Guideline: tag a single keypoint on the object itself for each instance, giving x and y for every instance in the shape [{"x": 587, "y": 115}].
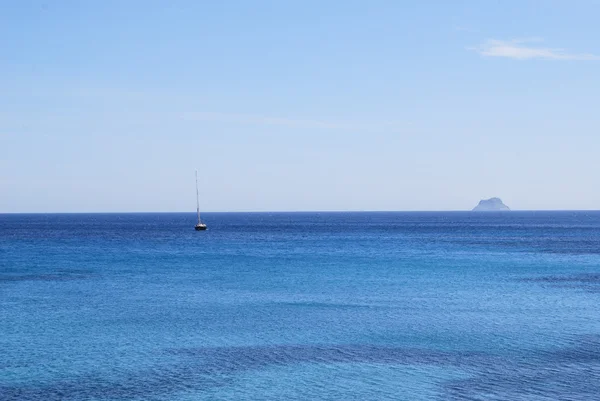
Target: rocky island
[{"x": 491, "y": 205}]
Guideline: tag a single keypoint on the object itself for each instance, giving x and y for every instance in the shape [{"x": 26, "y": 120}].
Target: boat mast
[{"x": 197, "y": 198}]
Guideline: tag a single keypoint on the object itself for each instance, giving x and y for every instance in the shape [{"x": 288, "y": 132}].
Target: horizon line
[{"x": 316, "y": 211}]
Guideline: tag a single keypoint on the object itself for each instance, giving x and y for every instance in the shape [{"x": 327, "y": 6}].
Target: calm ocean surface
[{"x": 300, "y": 306}]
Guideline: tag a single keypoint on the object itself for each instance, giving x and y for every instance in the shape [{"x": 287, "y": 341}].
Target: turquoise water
[{"x": 300, "y": 306}]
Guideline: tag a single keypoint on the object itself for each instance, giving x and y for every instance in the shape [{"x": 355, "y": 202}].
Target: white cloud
[{"x": 524, "y": 49}]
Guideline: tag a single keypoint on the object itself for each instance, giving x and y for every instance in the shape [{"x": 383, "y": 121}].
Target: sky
[{"x": 110, "y": 106}]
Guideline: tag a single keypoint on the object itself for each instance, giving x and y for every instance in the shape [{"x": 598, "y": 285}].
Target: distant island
[{"x": 491, "y": 205}]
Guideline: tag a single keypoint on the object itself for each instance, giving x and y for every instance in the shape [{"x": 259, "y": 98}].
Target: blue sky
[{"x": 298, "y": 105}]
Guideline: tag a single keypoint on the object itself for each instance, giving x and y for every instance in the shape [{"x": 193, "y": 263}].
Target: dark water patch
[
  {"x": 584, "y": 287},
  {"x": 529, "y": 383},
  {"x": 202, "y": 369},
  {"x": 242, "y": 358},
  {"x": 148, "y": 386},
  {"x": 160, "y": 382},
  {"x": 578, "y": 278},
  {"x": 585, "y": 281},
  {"x": 571, "y": 373},
  {"x": 43, "y": 277},
  {"x": 585, "y": 349},
  {"x": 335, "y": 305},
  {"x": 544, "y": 245},
  {"x": 544, "y": 380}
]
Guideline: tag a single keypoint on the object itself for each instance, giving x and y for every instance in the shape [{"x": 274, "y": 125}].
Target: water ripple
[{"x": 544, "y": 375}]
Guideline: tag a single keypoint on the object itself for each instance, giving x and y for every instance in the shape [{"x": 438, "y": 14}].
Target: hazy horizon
[{"x": 298, "y": 106}]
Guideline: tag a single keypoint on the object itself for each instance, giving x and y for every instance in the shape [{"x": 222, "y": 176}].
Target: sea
[{"x": 300, "y": 306}]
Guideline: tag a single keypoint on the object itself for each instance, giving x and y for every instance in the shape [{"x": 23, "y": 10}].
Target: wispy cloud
[{"x": 527, "y": 49}]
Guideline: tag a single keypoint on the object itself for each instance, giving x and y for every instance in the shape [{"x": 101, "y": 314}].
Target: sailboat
[{"x": 199, "y": 226}]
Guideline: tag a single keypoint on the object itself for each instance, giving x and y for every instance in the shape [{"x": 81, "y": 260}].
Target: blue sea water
[{"x": 300, "y": 306}]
